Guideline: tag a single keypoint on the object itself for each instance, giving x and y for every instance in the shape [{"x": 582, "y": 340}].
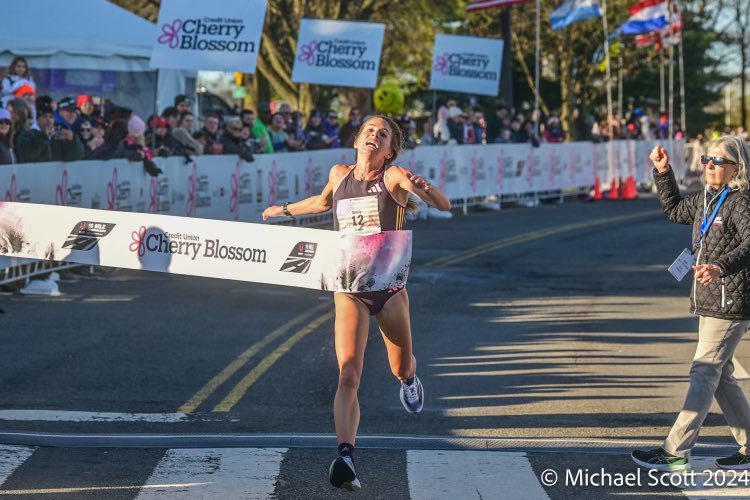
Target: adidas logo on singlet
[{"x": 375, "y": 188}]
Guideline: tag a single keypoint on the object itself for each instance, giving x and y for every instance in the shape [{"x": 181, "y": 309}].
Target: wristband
[{"x": 285, "y": 209}]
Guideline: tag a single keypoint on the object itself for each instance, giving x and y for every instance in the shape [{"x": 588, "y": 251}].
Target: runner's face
[{"x": 374, "y": 141}]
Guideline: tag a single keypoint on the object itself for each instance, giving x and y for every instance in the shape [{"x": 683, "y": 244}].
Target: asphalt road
[{"x": 553, "y": 336}]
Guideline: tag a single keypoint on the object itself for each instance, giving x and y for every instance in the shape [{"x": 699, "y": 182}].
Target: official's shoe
[
  {"x": 342, "y": 474},
  {"x": 738, "y": 461},
  {"x": 659, "y": 459},
  {"x": 412, "y": 396}
]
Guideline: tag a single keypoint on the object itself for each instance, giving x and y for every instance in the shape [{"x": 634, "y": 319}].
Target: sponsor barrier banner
[
  {"x": 466, "y": 64},
  {"x": 224, "y": 187},
  {"x": 341, "y": 53},
  {"x": 222, "y": 36},
  {"x": 290, "y": 256}
]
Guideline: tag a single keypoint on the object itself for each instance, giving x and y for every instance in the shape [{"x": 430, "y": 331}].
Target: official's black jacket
[{"x": 727, "y": 244}]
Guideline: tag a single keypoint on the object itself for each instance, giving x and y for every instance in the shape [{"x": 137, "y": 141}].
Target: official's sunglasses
[{"x": 718, "y": 161}]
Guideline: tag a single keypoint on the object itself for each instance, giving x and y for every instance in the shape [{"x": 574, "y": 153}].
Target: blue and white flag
[{"x": 572, "y": 11}]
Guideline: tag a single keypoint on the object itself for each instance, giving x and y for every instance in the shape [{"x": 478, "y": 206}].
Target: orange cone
[
  {"x": 631, "y": 193},
  {"x": 622, "y": 189},
  {"x": 597, "y": 189},
  {"x": 613, "y": 195}
]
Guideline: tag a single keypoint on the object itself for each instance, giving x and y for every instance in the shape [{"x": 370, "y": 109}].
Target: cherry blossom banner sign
[
  {"x": 338, "y": 53},
  {"x": 466, "y": 64},
  {"x": 221, "y": 36}
]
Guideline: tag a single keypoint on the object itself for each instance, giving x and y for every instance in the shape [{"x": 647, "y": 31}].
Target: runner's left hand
[{"x": 419, "y": 181}]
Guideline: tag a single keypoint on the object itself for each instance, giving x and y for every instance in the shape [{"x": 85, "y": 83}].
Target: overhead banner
[
  {"x": 466, "y": 64},
  {"x": 341, "y": 53},
  {"x": 264, "y": 253},
  {"x": 222, "y": 36}
]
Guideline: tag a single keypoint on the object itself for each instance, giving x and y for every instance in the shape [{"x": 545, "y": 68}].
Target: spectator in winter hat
[
  {"x": 161, "y": 129},
  {"x": 134, "y": 148},
  {"x": 182, "y": 103},
  {"x": 6, "y": 136},
  {"x": 27, "y": 92},
  {"x": 67, "y": 114},
  {"x": 17, "y": 76},
  {"x": 50, "y": 143},
  {"x": 85, "y": 106}
]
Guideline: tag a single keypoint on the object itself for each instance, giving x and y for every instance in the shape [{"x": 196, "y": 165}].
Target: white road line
[
  {"x": 721, "y": 484},
  {"x": 86, "y": 416},
  {"x": 471, "y": 474},
  {"x": 228, "y": 474},
  {"x": 11, "y": 458}
]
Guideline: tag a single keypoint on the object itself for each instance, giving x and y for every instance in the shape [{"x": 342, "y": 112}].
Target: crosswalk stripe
[
  {"x": 714, "y": 489},
  {"x": 225, "y": 473},
  {"x": 470, "y": 474},
  {"x": 11, "y": 458}
]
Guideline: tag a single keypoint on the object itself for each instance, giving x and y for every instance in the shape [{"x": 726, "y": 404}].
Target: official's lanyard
[{"x": 707, "y": 223}]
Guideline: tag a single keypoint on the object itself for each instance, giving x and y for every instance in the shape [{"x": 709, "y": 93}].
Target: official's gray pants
[{"x": 712, "y": 376}]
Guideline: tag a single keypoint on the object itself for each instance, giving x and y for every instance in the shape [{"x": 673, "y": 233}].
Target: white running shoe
[
  {"x": 342, "y": 474},
  {"x": 412, "y": 396}
]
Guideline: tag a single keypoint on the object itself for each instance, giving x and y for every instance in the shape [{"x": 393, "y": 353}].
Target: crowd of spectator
[{"x": 35, "y": 128}]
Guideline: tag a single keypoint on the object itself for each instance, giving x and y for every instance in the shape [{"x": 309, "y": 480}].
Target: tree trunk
[{"x": 567, "y": 91}]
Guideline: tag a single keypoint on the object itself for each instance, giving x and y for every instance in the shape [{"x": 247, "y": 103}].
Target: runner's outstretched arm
[{"x": 312, "y": 205}]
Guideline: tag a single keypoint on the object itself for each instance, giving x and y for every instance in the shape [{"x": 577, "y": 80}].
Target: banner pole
[
  {"x": 536, "y": 68},
  {"x": 156, "y": 110}
]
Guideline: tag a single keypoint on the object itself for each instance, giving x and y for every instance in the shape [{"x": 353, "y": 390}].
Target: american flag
[{"x": 490, "y": 4}]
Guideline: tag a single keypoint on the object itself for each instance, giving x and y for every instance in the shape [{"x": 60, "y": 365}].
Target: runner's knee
[{"x": 350, "y": 376}]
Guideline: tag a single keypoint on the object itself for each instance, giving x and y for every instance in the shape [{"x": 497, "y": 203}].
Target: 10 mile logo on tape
[
  {"x": 85, "y": 235},
  {"x": 300, "y": 259}
]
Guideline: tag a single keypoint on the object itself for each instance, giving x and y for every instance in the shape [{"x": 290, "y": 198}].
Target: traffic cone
[
  {"x": 597, "y": 189},
  {"x": 622, "y": 189},
  {"x": 631, "y": 193},
  {"x": 613, "y": 195}
]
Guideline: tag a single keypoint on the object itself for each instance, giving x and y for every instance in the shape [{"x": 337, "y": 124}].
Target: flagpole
[
  {"x": 671, "y": 76},
  {"x": 620, "y": 75},
  {"x": 662, "y": 105},
  {"x": 610, "y": 149},
  {"x": 536, "y": 68},
  {"x": 683, "y": 113}
]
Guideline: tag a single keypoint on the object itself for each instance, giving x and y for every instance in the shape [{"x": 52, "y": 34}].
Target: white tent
[{"x": 91, "y": 36}]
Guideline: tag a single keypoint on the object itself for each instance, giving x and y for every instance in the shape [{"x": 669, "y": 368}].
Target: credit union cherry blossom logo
[
  {"x": 138, "y": 244},
  {"x": 441, "y": 64},
  {"x": 307, "y": 53},
  {"x": 170, "y": 33}
]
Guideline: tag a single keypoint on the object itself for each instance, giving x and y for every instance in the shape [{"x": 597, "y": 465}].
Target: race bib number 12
[{"x": 358, "y": 216}]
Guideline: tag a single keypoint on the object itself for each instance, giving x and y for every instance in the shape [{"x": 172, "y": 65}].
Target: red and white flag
[{"x": 490, "y": 4}]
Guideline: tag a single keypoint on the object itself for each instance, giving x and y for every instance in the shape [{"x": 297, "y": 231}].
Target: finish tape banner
[{"x": 289, "y": 256}]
